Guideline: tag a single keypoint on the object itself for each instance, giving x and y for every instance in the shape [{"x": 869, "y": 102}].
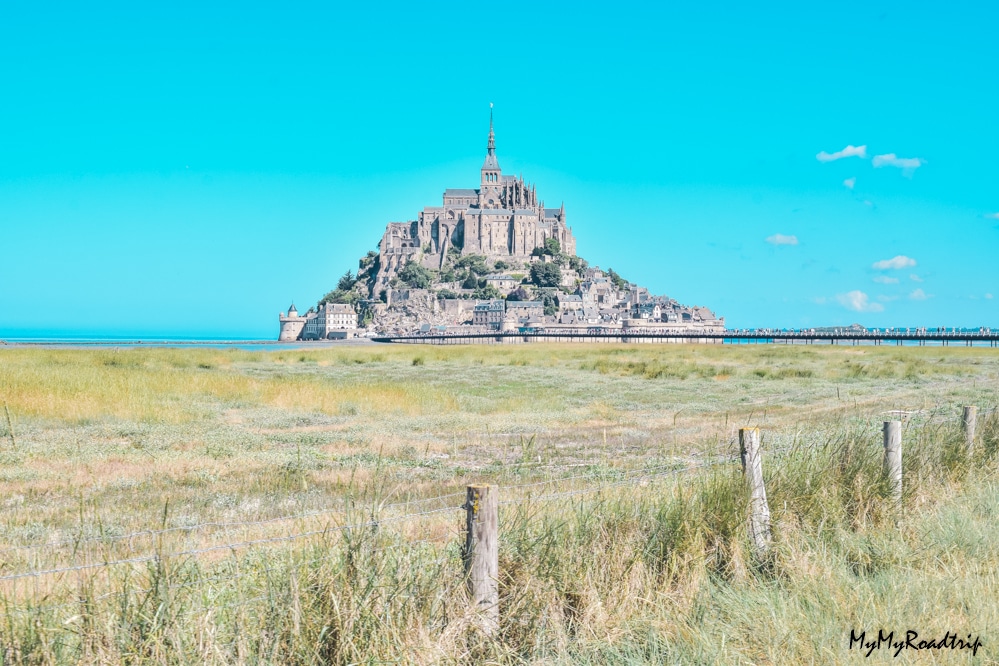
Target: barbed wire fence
[{"x": 130, "y": 550}]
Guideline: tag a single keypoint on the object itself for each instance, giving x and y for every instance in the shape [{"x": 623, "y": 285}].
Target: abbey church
[
  {"x": 502, "y": 219},
  {"x": 485, "y": 260}
]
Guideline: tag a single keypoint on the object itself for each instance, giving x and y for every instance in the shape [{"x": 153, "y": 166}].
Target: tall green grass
[{"x": 653, "y": 573}]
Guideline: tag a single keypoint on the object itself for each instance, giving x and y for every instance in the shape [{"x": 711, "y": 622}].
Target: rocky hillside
[{"x": 552, "y": 287}]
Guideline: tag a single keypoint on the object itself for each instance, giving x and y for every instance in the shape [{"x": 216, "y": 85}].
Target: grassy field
[{"x": 222, "y": 481}]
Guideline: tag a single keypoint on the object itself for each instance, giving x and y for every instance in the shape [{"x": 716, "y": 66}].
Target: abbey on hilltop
[
  {"x": 501, "y": 219},
  {"x": 492, "y": 258}
]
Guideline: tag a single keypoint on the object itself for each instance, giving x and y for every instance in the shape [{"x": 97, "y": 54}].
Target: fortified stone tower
[{"x": 291, "y": 325}]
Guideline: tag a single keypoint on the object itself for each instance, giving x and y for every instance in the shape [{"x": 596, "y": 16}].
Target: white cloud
[
  {"x": 908, "y": 165},
  {"x": 919, "y": 295},
  {"x": 988, "y": 296},
  {"x": 850, "y": 182},
  {"x": 993, "y": 216},
  {"x": 858, "y": 301},
  {"x": 887, "y": 299},
  {"x": 884, "y": 279},
  {"x": 781, "y": 239},
  {"x": 849, "y": 151},
  {"x": 821, "y": 300},
  {"x": 895, "y": 263},
  {"x": 915, "y": 278}
]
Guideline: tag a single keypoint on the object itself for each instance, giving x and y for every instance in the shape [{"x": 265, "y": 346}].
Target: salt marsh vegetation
[{"x": 624, "y": 541}]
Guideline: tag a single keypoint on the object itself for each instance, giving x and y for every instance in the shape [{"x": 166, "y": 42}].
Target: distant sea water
[{"x": 84, "y": 342}]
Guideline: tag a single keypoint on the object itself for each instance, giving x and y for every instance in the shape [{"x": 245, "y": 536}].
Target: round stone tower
[{"x": 291, "y": 325}]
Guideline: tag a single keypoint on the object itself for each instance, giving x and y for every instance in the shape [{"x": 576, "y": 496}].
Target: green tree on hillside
[
  {"x": 340, "y": 296},
  {"x": 416, "y": 276},
  {"x": 347, "y": 282},
  {"x": 546, "y": 275},
  {"x": 486, "y": 293},
  {"x": 618, "y": 281},
  {"x": 518, "y": 294},
  {"x": 548, "y": 300},
  {"x": 475, "y": 263}
]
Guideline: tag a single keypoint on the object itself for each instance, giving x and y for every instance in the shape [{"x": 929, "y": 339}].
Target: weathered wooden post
[
  {"x": 10, "y": 426},
  {"x": 482, "y": 552},
  {"x": 893, "y": 457},
  {"x": 752, "y": 470},
  {"x": 970, "y": 422}
]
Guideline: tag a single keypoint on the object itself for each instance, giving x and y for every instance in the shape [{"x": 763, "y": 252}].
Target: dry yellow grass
[{"x": 108, "y": 443}]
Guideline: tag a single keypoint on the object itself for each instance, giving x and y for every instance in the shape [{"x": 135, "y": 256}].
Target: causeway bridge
[{"x": 983, "y": 337}]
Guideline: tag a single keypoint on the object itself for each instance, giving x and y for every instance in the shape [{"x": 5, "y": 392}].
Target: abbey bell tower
[
  {"x": 503, "y": 217},
  {"x": 491, "y": 189}
]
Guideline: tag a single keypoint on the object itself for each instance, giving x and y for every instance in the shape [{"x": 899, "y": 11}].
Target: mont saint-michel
[{"x": 493, "y": 258}]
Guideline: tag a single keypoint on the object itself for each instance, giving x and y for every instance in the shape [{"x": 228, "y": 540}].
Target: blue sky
[{"x": 190, "y": 168}]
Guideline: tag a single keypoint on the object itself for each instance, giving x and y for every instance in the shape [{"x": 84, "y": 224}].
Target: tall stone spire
[
  {"x": 491, "y": 148},
  {"x": 491, "y": 164}
]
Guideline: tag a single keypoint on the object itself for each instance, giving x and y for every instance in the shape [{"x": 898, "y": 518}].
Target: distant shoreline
[{"x": 235, "y": 344}]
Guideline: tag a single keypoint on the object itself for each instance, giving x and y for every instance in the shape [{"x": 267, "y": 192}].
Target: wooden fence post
[
  {"x": 482, "y": 552},
  {"x": 752, "y": 470},
  {"x": 970, "y": 422},
  {"x": 10, "y": 426},
  {"x": 893, "y": 457}
]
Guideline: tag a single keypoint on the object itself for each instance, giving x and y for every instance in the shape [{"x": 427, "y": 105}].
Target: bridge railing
[{"x": 730, "y": 335}]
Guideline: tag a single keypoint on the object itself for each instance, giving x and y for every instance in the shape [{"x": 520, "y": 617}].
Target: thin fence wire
[
  {"x": 106, "y": 539},
  {"x": 631, "y": 476},
  {"x": 677, "y": 465},
  {"x": 627, "y": 477},
  {"x": 229, "y": 577},
  {"x": 227, "y": 546},
  {"x": 345, "y": 505},
  {"x": 234, "y": 578},
  {"x": 593, "y": 489}
]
